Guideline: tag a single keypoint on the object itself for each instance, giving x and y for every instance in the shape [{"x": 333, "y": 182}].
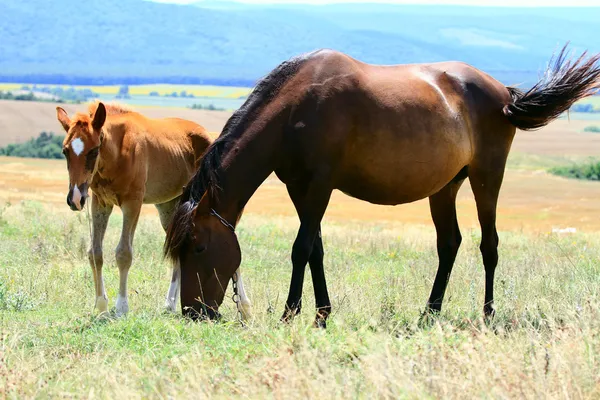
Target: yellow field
[{"x": 145, "y": 90}]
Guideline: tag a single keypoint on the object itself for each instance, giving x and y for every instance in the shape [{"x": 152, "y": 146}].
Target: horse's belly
[{"x": 402, "y": 174}]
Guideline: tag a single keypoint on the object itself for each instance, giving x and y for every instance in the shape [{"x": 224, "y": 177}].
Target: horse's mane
[
  {"x": 111, "y": 108},
  {"x": 206, "y": 179}
]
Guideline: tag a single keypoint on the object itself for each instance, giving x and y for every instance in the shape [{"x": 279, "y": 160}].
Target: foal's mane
[{"x": 206, "y": 179}]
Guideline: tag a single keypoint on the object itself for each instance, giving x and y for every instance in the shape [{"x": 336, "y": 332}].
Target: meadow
[
  {"x": 544, "y": 341},
  {"x": 380, "y": 264}
]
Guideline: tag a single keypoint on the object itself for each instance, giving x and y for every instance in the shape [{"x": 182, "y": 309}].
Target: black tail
[{"x": 565, "y": 81}]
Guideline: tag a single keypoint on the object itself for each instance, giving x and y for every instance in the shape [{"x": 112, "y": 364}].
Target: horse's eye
[{"x": 199, "y": 249}]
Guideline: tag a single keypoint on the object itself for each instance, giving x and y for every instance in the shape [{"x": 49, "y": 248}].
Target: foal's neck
[{"x": 110, "y": 150}]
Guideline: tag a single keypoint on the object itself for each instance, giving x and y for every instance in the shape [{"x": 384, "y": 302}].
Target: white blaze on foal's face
[{"x": 77, "y": 146}]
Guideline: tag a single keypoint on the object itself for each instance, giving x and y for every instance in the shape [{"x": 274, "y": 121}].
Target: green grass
[
  {"x": 543, "y": 343},
  {"x": 589, "y": 171}
]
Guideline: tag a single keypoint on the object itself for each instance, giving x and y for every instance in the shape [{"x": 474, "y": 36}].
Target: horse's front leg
[
  {"x": 124, "y": 253},
  {"x": 100, "y": 215},
  {"x": 311, "y": 201}
]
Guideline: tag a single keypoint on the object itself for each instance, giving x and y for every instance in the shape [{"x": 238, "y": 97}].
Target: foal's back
[{"x": 155, "y": 156}]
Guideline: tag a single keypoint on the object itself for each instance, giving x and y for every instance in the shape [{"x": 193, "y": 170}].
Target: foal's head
[{"x": 81, "y": 148}]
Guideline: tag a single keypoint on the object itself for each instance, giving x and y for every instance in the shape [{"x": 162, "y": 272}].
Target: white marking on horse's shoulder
[{"x": 77, "y": 146}]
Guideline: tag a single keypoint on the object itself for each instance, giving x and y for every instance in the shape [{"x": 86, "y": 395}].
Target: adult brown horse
[
  {"x": 128, "y": 160},
  {"x": 384, "y": 134}
]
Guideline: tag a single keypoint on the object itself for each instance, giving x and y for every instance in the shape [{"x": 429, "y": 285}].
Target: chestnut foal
[{"x": 129, "y": 160}]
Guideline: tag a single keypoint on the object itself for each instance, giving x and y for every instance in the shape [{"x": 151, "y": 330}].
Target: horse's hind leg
[
  {"x": 100, "y": 215},
  {"x": 124, "y": 252},
  {"x": 443, "y": 213},
  {"x": 486, "y": 187}
]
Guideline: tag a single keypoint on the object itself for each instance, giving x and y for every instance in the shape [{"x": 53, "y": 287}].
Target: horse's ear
[
  {"x": 99, "y": 117},
  {"x": 63, "y": 118},
  {"x": 203, "y": 206}
]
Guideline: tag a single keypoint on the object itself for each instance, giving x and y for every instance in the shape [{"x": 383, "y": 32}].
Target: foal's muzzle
[{"x": 77, "y": 197}]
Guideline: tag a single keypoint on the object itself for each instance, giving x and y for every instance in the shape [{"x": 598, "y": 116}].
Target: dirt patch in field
[{"x": 529, "y": 201}]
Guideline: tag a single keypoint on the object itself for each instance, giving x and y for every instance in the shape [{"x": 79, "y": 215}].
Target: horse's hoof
[
  {"x": 320, "y": 322},
  {"x": 489, "y": 311}
]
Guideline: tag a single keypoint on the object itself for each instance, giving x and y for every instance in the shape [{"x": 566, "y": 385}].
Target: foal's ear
[
  {"x": 99, "y": 117},
  {"x": 63, "y": 118}
]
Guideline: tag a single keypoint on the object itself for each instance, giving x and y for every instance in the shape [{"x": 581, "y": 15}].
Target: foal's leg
[
  {"x": 486, "y": 187},
  {"x": 310, "y": 203},
  {"x": 165, "y": 212},
  {"x": 100, "y": 216},
  {"x": 124, "y": 251},
  {"x": 443, "y": 212}
]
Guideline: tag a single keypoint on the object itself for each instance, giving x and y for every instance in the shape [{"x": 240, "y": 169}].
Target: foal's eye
[
  {"x": 199, "y": 249},
  {"x": 90, "y": 160}
]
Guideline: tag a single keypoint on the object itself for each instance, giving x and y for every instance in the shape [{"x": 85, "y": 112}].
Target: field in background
[
  {"x": 228, "y": 92},
  {"x": 158, "y": 95}
]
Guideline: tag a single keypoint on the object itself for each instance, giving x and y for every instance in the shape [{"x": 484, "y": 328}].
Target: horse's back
[{"x": 401, "y": 131}]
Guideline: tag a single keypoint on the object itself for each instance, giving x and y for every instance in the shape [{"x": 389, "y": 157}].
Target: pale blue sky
[{"x": 511, "y": 3}]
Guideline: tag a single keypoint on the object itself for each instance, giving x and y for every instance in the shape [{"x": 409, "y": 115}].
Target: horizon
[{"x": 472, "y": 3}]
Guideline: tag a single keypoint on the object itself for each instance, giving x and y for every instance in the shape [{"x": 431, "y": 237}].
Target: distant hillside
[{"x": 135, "y": 41}]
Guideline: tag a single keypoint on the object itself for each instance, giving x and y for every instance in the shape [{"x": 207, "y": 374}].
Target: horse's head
[
  {"x": 209, "y": 255},
  {"x": 81, "y": 148}
]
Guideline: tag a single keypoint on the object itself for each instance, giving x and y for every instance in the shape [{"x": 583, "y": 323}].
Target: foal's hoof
[
  {"x": 171, "y": 305},
  {"x": 101, "y": 304},
  {"x": 121, "y": 306}
]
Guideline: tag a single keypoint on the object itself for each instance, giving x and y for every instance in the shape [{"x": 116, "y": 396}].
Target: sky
[{"x": 507, "y": 3}]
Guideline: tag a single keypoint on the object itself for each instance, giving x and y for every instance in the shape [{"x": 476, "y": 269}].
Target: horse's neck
[{"x": 248, "y": 162}]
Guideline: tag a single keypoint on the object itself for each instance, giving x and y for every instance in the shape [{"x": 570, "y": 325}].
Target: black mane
[{"x": 206, "y": 179}]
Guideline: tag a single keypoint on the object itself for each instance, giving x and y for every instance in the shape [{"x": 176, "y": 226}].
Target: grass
[
  {"x": 587, "y": 171},
  {"x": 544, "y": 341}
]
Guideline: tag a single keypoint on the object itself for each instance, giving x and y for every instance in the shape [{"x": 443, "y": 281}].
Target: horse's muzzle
[{"x": 205, "y": 313}]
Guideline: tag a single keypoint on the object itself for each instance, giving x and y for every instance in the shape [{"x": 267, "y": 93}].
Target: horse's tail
[{"x": 565, "y": 81}]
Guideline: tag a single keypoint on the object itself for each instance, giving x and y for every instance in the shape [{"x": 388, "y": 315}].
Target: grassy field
[
  {"x": 380, "y": 265},
  {"x": 544, "y": 342}
]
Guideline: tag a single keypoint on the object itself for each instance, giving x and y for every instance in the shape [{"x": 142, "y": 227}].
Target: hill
[{"x": 135, "y": 41}]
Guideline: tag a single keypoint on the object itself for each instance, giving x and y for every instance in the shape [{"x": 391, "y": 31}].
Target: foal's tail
[{"x": 565, "y": 81}]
